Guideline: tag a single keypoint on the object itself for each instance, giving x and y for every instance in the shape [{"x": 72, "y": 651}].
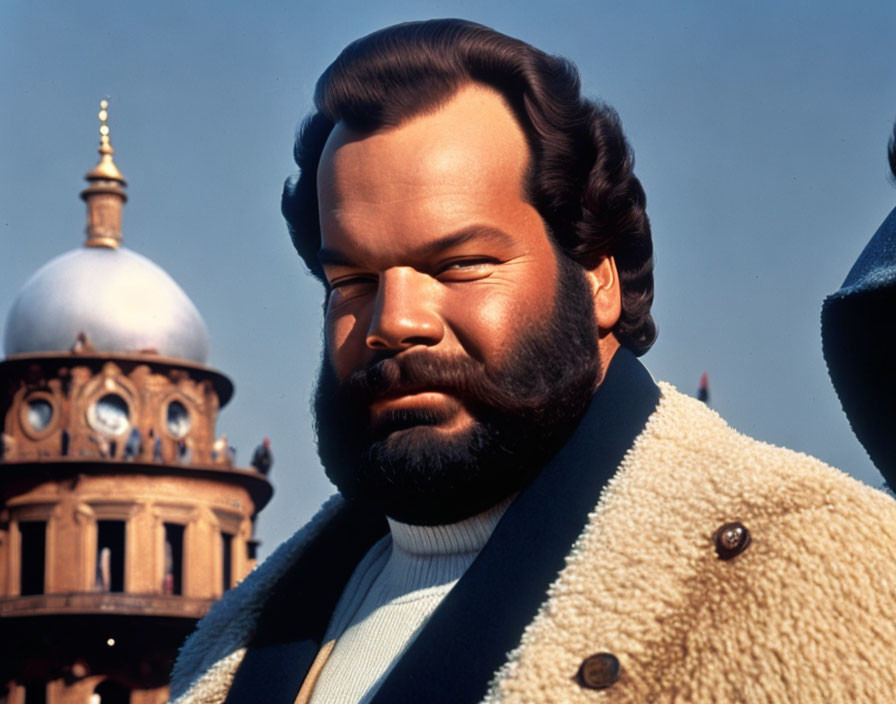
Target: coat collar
[{"x": 483, "y": 617}]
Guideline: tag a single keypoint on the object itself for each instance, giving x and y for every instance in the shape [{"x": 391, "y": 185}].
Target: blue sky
[{"x": 759, "y": 130}]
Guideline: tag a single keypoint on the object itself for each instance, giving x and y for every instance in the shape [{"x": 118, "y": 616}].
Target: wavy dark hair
[{"x": 580, "y": 176}]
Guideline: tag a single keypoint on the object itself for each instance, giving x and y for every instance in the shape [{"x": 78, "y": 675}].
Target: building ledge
[
  {"x": 15, "y": 364},
  {"x": 122, "y": 604},
  {"x": 55, "y": 468}
]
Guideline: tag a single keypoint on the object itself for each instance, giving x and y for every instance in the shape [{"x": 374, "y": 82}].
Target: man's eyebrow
[
  {"x": 481, "y": 233},
  {"x": 331, "y": 256},
  {"x": 477, "y": 233}
]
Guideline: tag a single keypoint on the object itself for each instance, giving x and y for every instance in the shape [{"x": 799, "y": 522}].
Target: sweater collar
[{"x": 466, "y": 536}]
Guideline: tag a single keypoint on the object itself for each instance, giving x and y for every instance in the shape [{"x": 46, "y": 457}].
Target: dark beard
[{"x": 522, "y": 413}]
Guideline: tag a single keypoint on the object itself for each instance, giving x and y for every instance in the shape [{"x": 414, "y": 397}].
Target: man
[
  {"x": 525, "y": 516},
  {"x": 859, "y": 342}
]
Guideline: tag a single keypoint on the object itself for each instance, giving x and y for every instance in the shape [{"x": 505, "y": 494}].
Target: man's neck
[{"x": 607, "y": 346}]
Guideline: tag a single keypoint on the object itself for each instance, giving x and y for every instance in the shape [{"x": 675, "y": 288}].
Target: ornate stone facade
[{"x": 89, "y": 406}]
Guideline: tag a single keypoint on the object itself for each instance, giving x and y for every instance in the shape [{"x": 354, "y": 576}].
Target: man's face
[{"x": 442, "y": 333}]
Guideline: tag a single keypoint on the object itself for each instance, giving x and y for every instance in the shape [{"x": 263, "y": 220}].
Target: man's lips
[{"x": 410, "y": 400}]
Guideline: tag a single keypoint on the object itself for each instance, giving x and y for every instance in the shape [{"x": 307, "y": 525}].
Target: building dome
[
  {"x": 104, "y": 296},
  {"x": 119, "y": 299}
]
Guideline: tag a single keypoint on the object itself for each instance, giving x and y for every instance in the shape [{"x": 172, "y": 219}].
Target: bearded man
[{"x": 524, "y": 515}]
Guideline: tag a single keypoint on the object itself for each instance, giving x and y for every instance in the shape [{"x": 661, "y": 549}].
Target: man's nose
[{"x": 405, "y": 312}]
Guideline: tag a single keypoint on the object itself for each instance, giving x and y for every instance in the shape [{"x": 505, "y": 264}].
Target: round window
[
  {"x": 110, "y": 415},
  {"x": 39, "y": 413},
  {"x": 178, "y": 419}
]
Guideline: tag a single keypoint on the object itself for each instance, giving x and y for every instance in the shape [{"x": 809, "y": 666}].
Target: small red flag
[{"x": 703, "y": 391}]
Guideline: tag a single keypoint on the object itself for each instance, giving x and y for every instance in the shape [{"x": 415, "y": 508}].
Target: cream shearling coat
[{"x": 807, "y": 613}]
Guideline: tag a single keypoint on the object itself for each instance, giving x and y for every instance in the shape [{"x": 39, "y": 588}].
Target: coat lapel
[
  {"x": 482, "y": 619},
  {"x": 296, "y": 614}
]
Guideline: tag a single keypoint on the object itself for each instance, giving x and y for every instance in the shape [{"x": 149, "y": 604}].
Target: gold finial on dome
[{"x": 105, "y": 195}]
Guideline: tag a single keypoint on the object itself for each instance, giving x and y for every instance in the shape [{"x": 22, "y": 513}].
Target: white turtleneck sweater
[{"x": 390, "y": 596}]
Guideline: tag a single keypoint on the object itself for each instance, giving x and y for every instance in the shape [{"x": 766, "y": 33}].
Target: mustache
[{"x": 464, "y": 377}]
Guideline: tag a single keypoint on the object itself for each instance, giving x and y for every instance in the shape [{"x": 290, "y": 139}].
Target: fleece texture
[
  {"x": 807, "y": 613},
  {"x": 859, "y": 342}
]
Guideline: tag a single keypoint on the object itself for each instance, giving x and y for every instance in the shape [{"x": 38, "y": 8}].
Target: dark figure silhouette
[
  {"x": 262, "y": 459},
  {"x": 133, "y": 445}
]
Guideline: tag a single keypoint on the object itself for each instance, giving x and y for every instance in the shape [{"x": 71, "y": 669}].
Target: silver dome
[{"x": 118, "y": 298}]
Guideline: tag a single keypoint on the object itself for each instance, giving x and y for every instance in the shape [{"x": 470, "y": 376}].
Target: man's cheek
[
  {"x": 491, "y": 325},
  {"x": 346, "y": 344}
]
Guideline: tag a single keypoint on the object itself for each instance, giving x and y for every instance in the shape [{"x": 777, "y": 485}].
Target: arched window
[
  {"x": 172, "y": 581},
  {"x": 109, "y": 415},
  {"x": 32, "y": 557},
  {"x": 110, "y": 538},
  {"x": 177, "y": 419}
]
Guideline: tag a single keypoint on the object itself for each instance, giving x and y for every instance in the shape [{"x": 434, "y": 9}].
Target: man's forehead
[{"x": 473, "y": 132}]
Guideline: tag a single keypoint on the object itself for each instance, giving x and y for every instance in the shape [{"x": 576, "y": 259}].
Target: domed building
[{"x": 122, "y": 516}]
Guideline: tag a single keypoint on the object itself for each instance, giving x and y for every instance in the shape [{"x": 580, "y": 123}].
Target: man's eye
[
  {"x": 466, "y": 268},
  {"x": 345, "y": 284}
]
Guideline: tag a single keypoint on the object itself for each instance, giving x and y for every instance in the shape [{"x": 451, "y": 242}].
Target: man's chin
[
  {"x": 423, "y": 474},
  {"x": 421, "y": 439}
]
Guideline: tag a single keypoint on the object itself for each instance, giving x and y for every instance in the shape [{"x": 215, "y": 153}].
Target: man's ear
[{"x": 604, "y": 280}]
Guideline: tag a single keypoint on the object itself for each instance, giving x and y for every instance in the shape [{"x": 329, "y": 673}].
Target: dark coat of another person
[{"x": 859, "y": 341}]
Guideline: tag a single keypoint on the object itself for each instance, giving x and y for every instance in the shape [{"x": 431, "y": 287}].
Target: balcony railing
[{"x": 104, "y": 603}]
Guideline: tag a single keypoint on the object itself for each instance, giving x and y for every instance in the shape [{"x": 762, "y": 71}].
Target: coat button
[
  {"x": 731, "y": 540},
  {"x": 599, "y": 671}
]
